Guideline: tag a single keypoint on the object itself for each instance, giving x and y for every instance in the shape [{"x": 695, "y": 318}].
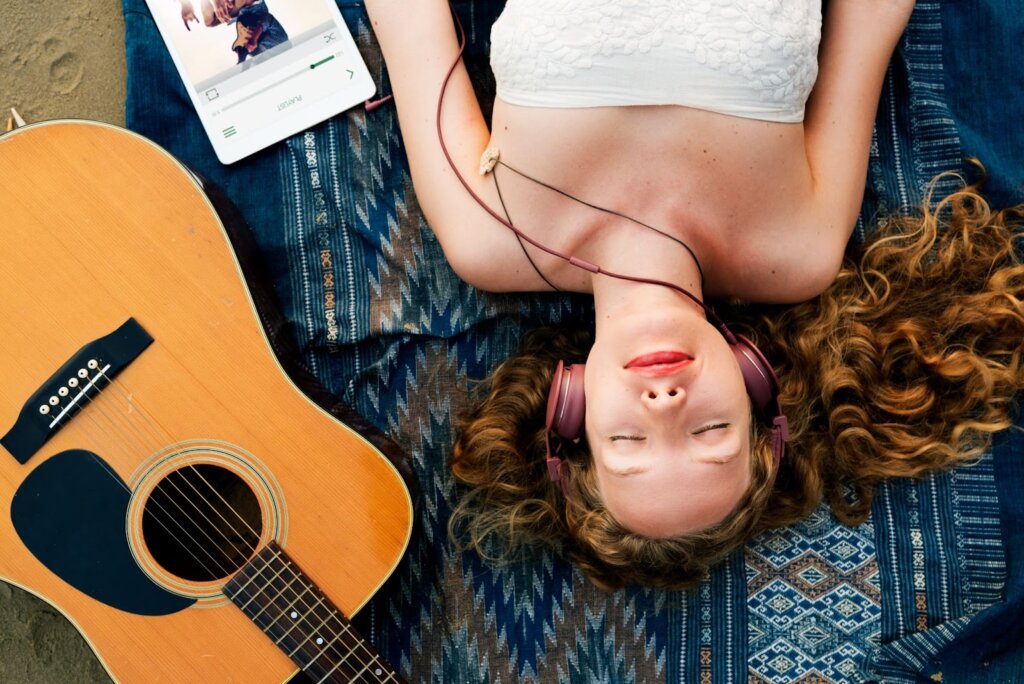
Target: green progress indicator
[{"x": 322, "y": 61}]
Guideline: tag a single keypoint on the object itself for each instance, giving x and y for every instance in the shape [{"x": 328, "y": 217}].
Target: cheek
[
  {"x": 725, "y": 380},
  {"x": 606, "y": 403}
]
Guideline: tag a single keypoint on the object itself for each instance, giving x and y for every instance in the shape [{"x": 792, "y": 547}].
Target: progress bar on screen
[{"x": 286, "y": 78}]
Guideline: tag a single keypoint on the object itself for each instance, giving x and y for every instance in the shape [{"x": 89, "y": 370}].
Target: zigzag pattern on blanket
[{"x": 504, "y": 627}]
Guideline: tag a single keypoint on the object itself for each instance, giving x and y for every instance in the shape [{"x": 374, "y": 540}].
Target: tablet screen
[{"x": 260, "y": 70}]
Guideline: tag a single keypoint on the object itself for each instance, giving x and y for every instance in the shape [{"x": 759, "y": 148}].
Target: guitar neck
[{"x": 285, "y": 604}]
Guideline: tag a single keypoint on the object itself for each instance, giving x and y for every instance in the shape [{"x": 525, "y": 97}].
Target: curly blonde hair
[{"x": 906, "y": 365}]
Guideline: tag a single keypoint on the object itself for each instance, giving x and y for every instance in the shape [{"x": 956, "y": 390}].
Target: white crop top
[{"x": 751, "y": 58}]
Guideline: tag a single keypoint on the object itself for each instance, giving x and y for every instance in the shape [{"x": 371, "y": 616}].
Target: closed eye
[
  {"x": 708, "y": 428},
  {"x": 631, "y": 438}
]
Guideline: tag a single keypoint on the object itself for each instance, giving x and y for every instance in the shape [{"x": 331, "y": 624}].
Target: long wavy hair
[{"x": 906, "y": 365}]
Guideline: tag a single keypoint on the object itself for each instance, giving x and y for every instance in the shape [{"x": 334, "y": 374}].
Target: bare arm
[
  {"x": 419, "y": 43},
  {"x": 188, "y": 13},
  {"x": 858, "y": 39},
  {"x": 210, "y": 17}
]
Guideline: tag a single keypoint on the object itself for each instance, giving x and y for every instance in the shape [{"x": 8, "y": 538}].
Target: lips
[{"x": 660, "y": 362}]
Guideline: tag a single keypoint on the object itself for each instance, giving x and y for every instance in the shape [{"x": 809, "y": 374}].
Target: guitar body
[{"x": 99, "y": 227}]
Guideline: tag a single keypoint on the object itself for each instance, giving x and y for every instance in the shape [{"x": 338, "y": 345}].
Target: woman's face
[{"x": 668, "y": 423}]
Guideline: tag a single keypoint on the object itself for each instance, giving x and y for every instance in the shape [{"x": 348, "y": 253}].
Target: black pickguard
[{"x": 70, "y": 513}]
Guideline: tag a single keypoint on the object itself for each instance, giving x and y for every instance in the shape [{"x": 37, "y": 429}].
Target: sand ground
[{"x": 57, "y": 60}]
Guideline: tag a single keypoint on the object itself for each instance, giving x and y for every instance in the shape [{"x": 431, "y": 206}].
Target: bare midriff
[{"x": 712, "y": 180}]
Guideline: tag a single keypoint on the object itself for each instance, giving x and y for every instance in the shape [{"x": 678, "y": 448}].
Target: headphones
[{"x": 567, "y": 403}]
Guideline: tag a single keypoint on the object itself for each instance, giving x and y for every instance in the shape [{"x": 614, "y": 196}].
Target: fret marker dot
[
  {"x": 378, "y": 672},
  {"x": 293, "y": 615},
  {"x": 319, "y": 641}
]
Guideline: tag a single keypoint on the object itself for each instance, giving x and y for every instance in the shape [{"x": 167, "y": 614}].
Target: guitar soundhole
[{"x": 202, "y": 523}]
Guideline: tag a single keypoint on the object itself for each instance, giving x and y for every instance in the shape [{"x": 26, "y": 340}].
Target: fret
[
  {"x": 250, "y": 579},
  {"x": 375, "y": 670},
  {"x": 291, "y": 610},
  {"x": 286, "y": 588},
  {"x": 277, "y": 642},
  {"x": 265, "y": 598}
]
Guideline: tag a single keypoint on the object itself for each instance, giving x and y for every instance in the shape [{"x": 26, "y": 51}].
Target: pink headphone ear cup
[
  {"x": 761, "y": 381},
  {"x": 763, "y": 390},
  {"x": 566, "y": 401}
]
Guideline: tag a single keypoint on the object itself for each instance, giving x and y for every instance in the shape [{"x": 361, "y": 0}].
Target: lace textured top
[{"x": 751, "y": 58}]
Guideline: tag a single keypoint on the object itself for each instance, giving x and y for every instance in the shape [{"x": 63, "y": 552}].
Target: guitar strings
[
  {"x": 158, "y": 441},
  {"x": 173, "y": 500},
  {"x": 153, "y": 425},
  {"x": 329, "y": 631},
  {"x": 99, "y": 443},
  {"x": 125, "y": 444},
  {"x": 156, "y": 428}
]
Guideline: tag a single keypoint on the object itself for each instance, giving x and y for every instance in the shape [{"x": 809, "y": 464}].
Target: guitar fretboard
[{"x": 274, "y": 593}]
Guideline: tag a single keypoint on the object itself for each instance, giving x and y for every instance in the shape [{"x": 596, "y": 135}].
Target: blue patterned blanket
[{"x": 929, "y": 588}]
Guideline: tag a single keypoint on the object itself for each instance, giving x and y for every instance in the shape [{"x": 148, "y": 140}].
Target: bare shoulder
[{"x": 783, "y": 266}]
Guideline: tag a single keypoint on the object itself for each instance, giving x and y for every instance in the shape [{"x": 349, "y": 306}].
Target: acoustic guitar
[{"x": 163, "y": 482}]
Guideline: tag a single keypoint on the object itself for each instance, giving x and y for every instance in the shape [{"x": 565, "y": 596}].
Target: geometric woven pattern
[{"x": 814, "y": 601}]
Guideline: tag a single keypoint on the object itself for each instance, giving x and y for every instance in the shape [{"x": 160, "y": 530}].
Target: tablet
[{"x": 258, "y": 71}]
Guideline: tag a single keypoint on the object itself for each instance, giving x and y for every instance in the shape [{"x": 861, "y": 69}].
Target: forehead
[{"x": 675, "y": 495}]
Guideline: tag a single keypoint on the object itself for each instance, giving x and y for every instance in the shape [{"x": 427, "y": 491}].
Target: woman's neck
[{"x": 615, "y": 298}]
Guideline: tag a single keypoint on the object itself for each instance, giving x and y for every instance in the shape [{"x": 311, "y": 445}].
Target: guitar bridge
[{"x": 64, "y": 394}]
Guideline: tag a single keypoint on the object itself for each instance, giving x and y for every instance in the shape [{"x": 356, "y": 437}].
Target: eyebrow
[
  {"x": 720, "y": 460},
  {"x": 637, "y": 470},
  {"x": 626, "y": 472}
]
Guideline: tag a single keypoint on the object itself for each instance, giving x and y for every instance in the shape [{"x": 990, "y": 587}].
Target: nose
[{"x": 666, "y": 396}]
